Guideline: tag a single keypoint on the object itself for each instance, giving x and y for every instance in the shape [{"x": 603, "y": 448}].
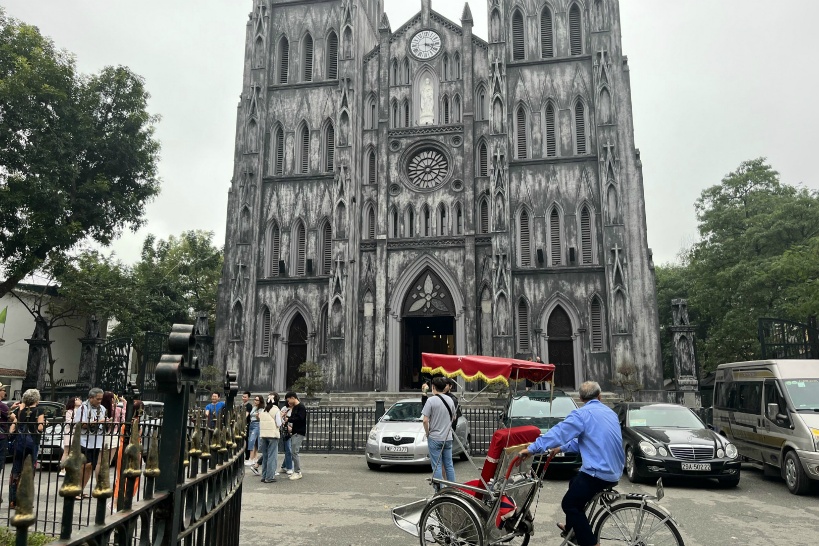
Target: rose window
[{"x": 427, "y": 169}]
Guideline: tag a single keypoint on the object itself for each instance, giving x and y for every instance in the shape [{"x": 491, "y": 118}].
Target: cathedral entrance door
[
  {"x": 424, "y": 335},
  {"x": 561, "y": 347},
  {"x": 296, "y": 348}
]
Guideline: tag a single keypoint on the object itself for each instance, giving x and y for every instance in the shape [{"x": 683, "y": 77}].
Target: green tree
[{"x": 78, "y": 153}]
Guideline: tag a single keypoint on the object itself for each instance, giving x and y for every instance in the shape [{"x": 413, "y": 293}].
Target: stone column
[
  {"x": 37, "y": 365},
  {"x": 685, "y": 368},
  {"x": 89, "y": 353}
]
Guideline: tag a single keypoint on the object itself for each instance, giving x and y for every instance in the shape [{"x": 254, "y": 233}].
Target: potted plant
[
  {"x": 310, "y": 382},
  {"x": 497, "y": 393}
]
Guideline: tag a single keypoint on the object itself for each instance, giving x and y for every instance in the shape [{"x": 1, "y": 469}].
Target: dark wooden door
[
  {"x": 561, "y": 347},
  {"x": 296, "y": 348}
]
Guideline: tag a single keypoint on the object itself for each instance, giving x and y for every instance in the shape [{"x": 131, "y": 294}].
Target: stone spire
[
  {"x": 467, "y": 15},
  {"x": 385, "y": 22}
]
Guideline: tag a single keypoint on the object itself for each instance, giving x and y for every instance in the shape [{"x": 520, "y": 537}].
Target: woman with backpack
[{"x": 270, "y": 422}]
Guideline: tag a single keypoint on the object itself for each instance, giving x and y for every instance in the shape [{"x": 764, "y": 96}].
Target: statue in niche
[
  {"x": 686, "y": 356},
  {"x": 497, "y": 117},
  {"x": 427, "y": 113},
  {"x": 611, "y": 205},
  {"x": 500, "y": 213},
  {"x": 503, "y": 316}
]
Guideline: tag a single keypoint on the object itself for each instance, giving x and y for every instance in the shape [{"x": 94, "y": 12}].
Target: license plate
[
  {"x": 397, "y": 449},
  {"x": 561, "y": 454},
  {"x": 45, "y": 450},
  {"x": 696, "y": 466}
]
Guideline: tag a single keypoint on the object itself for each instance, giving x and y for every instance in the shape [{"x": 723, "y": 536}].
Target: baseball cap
[{"x": 3, "y": 387}]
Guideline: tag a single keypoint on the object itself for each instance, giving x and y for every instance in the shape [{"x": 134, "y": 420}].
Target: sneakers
[
  {"x": 290, "y": 472},
  {"x": 249, "y": 462},
  {"x": 295, "y": 476},
  {"x": 255, "y": 470},
  {"x": 61, "y": 474},
  {"x": 269, "y": 481}
]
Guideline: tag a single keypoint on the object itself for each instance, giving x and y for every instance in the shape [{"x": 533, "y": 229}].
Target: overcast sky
[{"x": 714, "y": 82}]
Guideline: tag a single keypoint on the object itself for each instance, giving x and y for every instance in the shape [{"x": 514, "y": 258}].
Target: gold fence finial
[
  {"x": 152, "y": 466},
  {"x": 72, "y": 485},
  {"x": 133, "y": 454},
  {"x": 103, "y": 488},
  {"x": 24, "y": 515}
]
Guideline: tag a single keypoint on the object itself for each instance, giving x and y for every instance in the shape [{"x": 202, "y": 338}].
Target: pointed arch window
[
  {"x": 307, "y": 58},
  {"x": 393, "y": 223},
  {"x": 456, "y": 109},
  {"x": 326, "y": 261},
  {"x": 445, "y": 110},
  {"x": 284, "y": 59},
  {"x": 329, "y": 147},
  {"x": 273, "y": 251},
  {"x": 406, "y": 71},
  {"x": 523, "y": 327},
  {"x": 244, "y": 225},
  {"x": 427, "y": 220},
  {"x": 264, "y": 335},
  {"x": 442, "y": 218},
  {"x": 524, "y": 240},
  {"x": 370, "y": 115},
  {"x": 547, "y": 49},
  {"x": 596, "y": 325},
  {"x": 324, "y": 333},
  {"x": 518, "y": 37},
  {"x": 521, "y": 133},
  {"x": 258, "y": 53},
  {"x": 369, "y": 228},
  {"x": 394, "y": 121},
  {"x": 348, "y": 43},
  {"x": 278, "y": 154},
  {"x": 481, "y": 104},
  {"x": 575, "y": 31},
  {"x": 237, "y": 321},
  {"x": 304, "y": 149},
  {"x": 406, "y": 109},
  {"x": 457, "y": 67},
  {"x": 409, "y": 221},
  {"x": 300, "y": 240},
  {"x": 586, "y": 253},
  {"x": 446, "y": 67},
  {"x": 459, "y": 219},
  {"x": 555, "y": 244},
  {"x": 341, "y": 219},
  {"x": 372, "y": 173},
  {"x": 551, "y": 134},
  {"x": 394, "y": 72},
  {"x": 580, "y": 127},
  {"x": 483, "y": 160},
  {"x": 332, "y": 56},
  {"x": 483, "y": 216}
]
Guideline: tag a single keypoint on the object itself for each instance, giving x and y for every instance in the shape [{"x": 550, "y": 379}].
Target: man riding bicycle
[{"x": 594, "y": 430}]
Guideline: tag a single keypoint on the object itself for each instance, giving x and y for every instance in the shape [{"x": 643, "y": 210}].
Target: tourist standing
[
  {"x": 297, "y": 426},
  {"x": 253, "y": 431},
  {"x": 28, "y": 425},
  {"x": 270, "y": 423},
  {"x": 71, "y": 405},
  {"x": 287, "y": 463},
  {"x": 212, "y": 410},
  {"x": 438, "y": 414},
  {"x": 92, "y": 419}
]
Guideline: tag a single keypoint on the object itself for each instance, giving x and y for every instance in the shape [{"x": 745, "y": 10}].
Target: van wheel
[{"x": 795, "y": 477}]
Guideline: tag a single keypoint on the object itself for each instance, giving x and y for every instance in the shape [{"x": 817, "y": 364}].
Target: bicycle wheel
[
  {"x": 450, "y": 520},
  {"x": 631, "y": 523}
]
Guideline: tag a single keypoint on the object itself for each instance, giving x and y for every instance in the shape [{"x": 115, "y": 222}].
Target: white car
[{"x": 398, "y": 437}]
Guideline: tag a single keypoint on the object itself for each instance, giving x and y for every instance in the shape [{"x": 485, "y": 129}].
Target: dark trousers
[{"x": 582, "y": 489}]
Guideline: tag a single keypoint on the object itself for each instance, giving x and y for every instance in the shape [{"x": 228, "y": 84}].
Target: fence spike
[
  {"x": 24, "y": 515},
  {"x": 72, "y": 485},
  {"x": 133, "y": 468},
  {"x": 152, "y": 466},
  {"x": 196, "y": 437},
  {"x": 103, "y": 489}
]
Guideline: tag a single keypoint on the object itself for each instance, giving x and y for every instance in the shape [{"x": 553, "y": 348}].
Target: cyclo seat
[{"x": 501, "y": 439}]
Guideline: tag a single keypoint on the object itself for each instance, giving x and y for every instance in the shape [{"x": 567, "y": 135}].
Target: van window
[
  {"x": 750, "y": 396},
  {"x": 725, "y": 396},
  {"x": 773, "y": 395},
  {"x": 804, "y": 393}
]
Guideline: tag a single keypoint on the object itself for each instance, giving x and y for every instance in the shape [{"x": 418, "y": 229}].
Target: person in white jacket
[{"x": 270, "y": 422}]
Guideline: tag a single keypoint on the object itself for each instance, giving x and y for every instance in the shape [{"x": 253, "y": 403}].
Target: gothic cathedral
[{"x": 425, "y": 190}]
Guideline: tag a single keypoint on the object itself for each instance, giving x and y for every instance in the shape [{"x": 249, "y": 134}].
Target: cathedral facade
[{"x": 425, "y": 190}]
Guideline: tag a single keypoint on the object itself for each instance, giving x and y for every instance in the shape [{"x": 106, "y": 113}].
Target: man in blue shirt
[
  {"x": 594, "y": 431},
  {"x": 212, "y": 410}
]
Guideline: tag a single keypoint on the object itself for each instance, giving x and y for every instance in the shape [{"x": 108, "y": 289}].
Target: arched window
[
  {"x": 394, "y": 72},
  {"x": 406, "y": 109},
  {"x": 264, "y": 334},
  {"x": 497, "y": 116},
  {"x": 304, "y": 149},
  {"x": 244, "y": 225},
  {"x": 524, "y": 240},
  {"x": 371, "y": 114},
  {"x": 596, "y": 324},
  {"x": 393, "y": 223},
  {"x": 575, "y": 31},
  {"x": 427, "y": 220},
  {"x": 445, "y": 110},
  {"x": 329, "y": 147},
  {"x": 457, "y": 67},
  {"x": 459, "y": 219},
  {"x": 237, "y": 321},
  {"x": 406, "y": 71},
  {"x": 326, "y": 253},
  {"x": 284, "y": 59},
  {"x": 300, "y": 249},
  {"x": 555, "y": 243},
  {"x": 258, "y": 53},
  {"x": 550, "y": 129},
  {"x": 481, "y": 104},
  {"x": 483, "y": 216},
  {"x": 307, "y": 58},
  {"x": 324, "y": 333},
  {"x": 456, "y": 109},
  {"x": 409, "y": 221},
  {"x": 341, "y": 220},
  {"x": 348, "y": 43},
  {"x": 273, "y": 251},
  {"x": 523, "y": 326},
  {"x": 445, "y": 71},
  {"x": 518, "y": 37},
  {"x": 332, "y": 56},
  {"x": 482, "y": 167},
  {"x": 580, "y": 127},
  {"x": 369, "y": 226},
  {"x": 442, "y": 226},
  {"x": 394, "y": 120},
  {"x": 372, "y": 172},
  {"x": 278, "y": 154},
  {"x": 521, "y": 133},
  {"x": 547, "y": 49},
  {"x": 586, "y": 250}
]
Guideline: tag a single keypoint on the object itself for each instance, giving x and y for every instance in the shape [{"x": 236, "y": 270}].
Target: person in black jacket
[{"x": 297, "y": 426}]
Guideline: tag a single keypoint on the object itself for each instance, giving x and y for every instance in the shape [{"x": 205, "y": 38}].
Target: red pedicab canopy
[{"x": 489, "y": 368}]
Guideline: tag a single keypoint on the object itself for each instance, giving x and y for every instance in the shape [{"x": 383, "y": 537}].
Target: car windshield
[
  {"x": 663, "y": 417},
  {"x": 404, "y": 411},
  {"x": 541, "y": 407},
  {"x": 804, "y": 393},
  {"x": 152, "y": 410}
]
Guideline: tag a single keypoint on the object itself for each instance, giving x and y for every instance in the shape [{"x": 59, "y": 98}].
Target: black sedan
[{"x": 669, "y": 440}]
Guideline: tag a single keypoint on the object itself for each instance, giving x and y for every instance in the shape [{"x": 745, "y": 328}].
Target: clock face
[{"x": 426, "y": 44}]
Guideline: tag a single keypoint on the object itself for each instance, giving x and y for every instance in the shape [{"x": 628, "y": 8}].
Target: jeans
[
  {"x": 295, "y": 447},
  {"x": 270, "y": 454},
  {"x": 253, "y": 435},
  {"x": 581, "y": 490},
  {"x": 441, "y": 449},
  {"x": 287, "y": 464},
  {"x": 24, "y": 445}
]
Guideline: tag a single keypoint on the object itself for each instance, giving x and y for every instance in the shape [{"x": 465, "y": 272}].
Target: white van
[{"x": 769, "y": 409}]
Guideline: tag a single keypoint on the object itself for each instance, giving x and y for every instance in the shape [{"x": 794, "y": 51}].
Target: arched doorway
[
  {"x": 428, "y": 318},
  {"x": 296, "y": 348},
  {"x": 561, "y": 347}
]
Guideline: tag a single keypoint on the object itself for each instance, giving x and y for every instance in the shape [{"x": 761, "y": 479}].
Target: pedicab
[{"x": 498, "y": 507}]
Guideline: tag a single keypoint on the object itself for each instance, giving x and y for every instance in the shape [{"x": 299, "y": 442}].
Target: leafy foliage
[
  {"x": 311, "y": 380},
  {"x": 758, "y": 256},
  {"x": 78, "y": 153}
]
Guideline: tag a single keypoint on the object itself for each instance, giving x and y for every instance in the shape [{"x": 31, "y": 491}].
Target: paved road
[{"x": 342, "y": 503}]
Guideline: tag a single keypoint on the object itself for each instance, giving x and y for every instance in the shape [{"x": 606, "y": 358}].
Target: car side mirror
[{"x": 773, "y": 410}]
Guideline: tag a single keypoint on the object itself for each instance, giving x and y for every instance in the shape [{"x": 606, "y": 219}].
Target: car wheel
[
  {"x": 631, "y": 467},
  {"x": 733, "y": 481},
  {"x": 467, "y": 448},
  {"x": 373, "y": 466},
  {"x": 795, "y": 476}
]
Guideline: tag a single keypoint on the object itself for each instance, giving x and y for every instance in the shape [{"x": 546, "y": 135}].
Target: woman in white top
[{"x": 270, "y": 422}]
